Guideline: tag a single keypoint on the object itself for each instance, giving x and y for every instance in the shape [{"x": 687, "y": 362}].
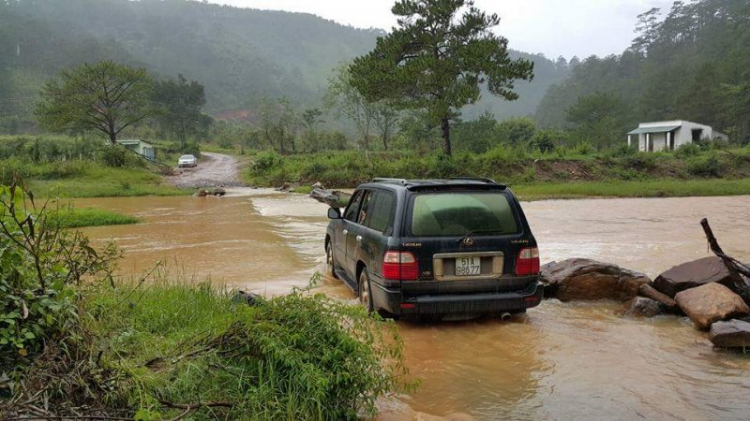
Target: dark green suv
[{"x": 435, "y": 248}]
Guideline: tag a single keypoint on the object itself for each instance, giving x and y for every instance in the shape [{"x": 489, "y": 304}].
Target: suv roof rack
[
  {"x": 478, "y": 179},
  {"x": 401, "y": 181}
]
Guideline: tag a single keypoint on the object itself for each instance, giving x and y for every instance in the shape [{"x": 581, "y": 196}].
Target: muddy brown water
[{"x": 560, "y": 361}]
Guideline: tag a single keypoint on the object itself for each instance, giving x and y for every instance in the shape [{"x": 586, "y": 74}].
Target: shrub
[
  {"x": 38, "y": 262},
  {"x": 687, "y": 150},
  {"x": 115, "y": 156},
  {"x": 583, "y": 148},
  {"x": 704, "y": 166},
  {"x": 265, "y": 161}
]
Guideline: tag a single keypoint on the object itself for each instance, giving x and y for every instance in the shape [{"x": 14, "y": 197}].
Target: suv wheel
[
  {"x": 329, "y": 260},
  {"x": 364, "y": 290}
]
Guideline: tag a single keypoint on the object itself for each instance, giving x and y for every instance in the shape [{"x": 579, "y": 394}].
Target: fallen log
[
  {"x": 739, "y": 273},
  {"x": 648, "y": 291},
  {"x": 332, "y": 198}
]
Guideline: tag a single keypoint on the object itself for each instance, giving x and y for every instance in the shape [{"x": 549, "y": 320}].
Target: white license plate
[{"x": 468, "y": 266}]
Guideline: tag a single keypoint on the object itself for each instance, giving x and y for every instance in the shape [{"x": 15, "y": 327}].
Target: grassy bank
[
  {"x": 80, "y": 345},
  {"x": 646, "y": 188},
  {"x": 623, "y": 173},
  {"x": 69, "y": 167}
]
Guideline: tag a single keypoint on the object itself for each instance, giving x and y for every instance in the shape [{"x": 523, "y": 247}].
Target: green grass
[
  {"x": 293, "y": 357},
  {"x": 88, "y": 217},
  {"x": 646, "y": 188},
  {"x": 87, "y": 179},
  {"x": 552, "y": 175}
]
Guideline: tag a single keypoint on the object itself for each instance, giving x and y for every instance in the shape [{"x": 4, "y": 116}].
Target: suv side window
[
  {"x": 382, "y": 212},
  {"x": 363, "y": 212},
  {"x": 353, "y": 210}
]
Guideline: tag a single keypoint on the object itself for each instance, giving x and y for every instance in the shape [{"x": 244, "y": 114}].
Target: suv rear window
[{"x": 455, "y": 214}]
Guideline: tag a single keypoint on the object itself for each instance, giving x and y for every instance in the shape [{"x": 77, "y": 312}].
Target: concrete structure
[
  {"x": 670, "y": 135},
  {"x": 140, "y": 147}
]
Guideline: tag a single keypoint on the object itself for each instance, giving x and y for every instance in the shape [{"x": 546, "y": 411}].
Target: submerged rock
[
  {"x": 731, "y": 334},
  {"x": 249, "y": 298},
  {"x": 585, "y": 279},
  {"x": 711, "y": 303},
  {"x": 648, "y": 291},
  {"x": 641, "y": 307},
  {"x": 692, "y": 274}
]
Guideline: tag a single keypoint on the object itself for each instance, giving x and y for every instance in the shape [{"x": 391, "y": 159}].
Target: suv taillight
[
  {"x": 400, "y": 266},
  {"x": 528, "y": 261}
]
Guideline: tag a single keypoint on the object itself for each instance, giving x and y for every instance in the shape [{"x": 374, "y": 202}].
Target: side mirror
[{"x": 334, "y": 213}]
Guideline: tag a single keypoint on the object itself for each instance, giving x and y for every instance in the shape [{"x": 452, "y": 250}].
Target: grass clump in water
[{"x": 88, "y": 217}]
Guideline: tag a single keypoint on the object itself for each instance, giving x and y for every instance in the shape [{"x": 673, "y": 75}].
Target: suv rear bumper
[{"x": 393, "y": 301}]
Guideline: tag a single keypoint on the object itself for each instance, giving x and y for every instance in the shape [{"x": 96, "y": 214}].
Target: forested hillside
[
  {"x": 241, "y": 56},
  {"x": 691, "y": 63}
]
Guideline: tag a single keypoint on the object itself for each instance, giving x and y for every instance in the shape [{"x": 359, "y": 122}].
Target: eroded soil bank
[{"x": 560, "y": 361}]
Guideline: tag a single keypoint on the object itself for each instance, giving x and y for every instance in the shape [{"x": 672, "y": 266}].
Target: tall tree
[
  {"x": 600, "y": 118},
  {"x": 179, "y": 106},
  {"x": 105, "y": 96},
  {"x": 437, "y": 58},
  {"x": 386, "y": 120},
  {"x": 279, "y": 125},
  {"x": 344, "y": 98}
]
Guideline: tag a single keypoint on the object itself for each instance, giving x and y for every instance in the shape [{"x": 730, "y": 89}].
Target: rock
[
  {"x": 219, "y": 192},
  {"x": 318, "y": 185},
  {"x": 731, "y": 334},
  {"x": 692, "y": 274},
  {"x": 585, "y": 279},
  {"x": 711, "y": 303},
  {"x": 648, "y": 291},
  {"x": 286, "y": 187},
  {"x": 249, "y": 298},
  {"x": 201, "y": 193},
  {"x": 332, "y": 198},
  {"x": 641, "y": 307}
]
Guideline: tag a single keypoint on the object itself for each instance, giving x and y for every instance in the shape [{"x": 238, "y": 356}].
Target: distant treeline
[
  {"x": 241, "y": 56},
  {"x": 691, "y": 64}
]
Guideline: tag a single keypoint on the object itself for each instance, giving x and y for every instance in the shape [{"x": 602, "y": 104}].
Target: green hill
[{"x": 239, "y": 55}]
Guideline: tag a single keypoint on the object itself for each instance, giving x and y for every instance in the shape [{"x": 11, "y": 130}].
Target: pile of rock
[{"x": 703, "y": 290}]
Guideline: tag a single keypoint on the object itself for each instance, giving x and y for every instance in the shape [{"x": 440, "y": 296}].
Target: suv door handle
[
  {"x": 359, "y": 238},
  {"x": 346, "y": 232}
]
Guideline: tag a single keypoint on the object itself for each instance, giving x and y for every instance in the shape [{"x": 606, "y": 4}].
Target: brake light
[
  {"x": 400, "y": 266},
  {"x": 528, "y": 261}
]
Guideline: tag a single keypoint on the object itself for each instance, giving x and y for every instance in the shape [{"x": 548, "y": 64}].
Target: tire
[
  {"x": 330, "y": 262},
  {"x": 365, "y": 297}
]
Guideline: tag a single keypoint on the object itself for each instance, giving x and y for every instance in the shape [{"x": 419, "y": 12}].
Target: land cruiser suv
[{"x": 435, "y": 248}]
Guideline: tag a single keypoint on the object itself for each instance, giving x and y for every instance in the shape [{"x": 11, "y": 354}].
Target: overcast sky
[{"x": 552, "y": 27}]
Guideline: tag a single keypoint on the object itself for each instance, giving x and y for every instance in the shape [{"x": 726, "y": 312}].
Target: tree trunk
[
  {"x": 445, "y": 126},
  {"x": 113, "y": 137}
]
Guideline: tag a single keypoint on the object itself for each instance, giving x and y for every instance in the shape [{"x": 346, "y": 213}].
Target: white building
[{"x": 670, "y": 135}]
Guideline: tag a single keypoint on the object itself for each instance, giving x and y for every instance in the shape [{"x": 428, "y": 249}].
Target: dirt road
[{"x": 213, "y": 170}]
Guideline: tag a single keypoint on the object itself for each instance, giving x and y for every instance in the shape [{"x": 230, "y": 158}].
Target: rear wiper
[{"x": 470, "y": 233}]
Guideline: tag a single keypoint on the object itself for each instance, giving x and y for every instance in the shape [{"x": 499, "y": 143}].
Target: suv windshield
[{"x": 456, "y": 214}]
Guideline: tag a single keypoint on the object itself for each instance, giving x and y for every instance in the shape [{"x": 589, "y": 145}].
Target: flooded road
[{"x": 560, "y": 361}]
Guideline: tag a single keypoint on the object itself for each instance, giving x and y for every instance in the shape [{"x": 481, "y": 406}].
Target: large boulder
[
  {"x": 731, "y": 334},
  {"x": 711, "y": 303},
  {"x": 585, "y": 279},
  {"x": 692, "y": 274}
]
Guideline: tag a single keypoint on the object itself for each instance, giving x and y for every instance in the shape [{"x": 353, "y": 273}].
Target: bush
[
  {"x": 115, "y": 156},
  {"x": 687, "y": 150},
  {"x": 705, "y": 166},
  {"x": 38, "y": 262},
  {"x": 266, "y": 161}
]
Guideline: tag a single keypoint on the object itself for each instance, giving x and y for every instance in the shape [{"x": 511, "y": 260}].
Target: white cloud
[{"x": 552, "y": 27}]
